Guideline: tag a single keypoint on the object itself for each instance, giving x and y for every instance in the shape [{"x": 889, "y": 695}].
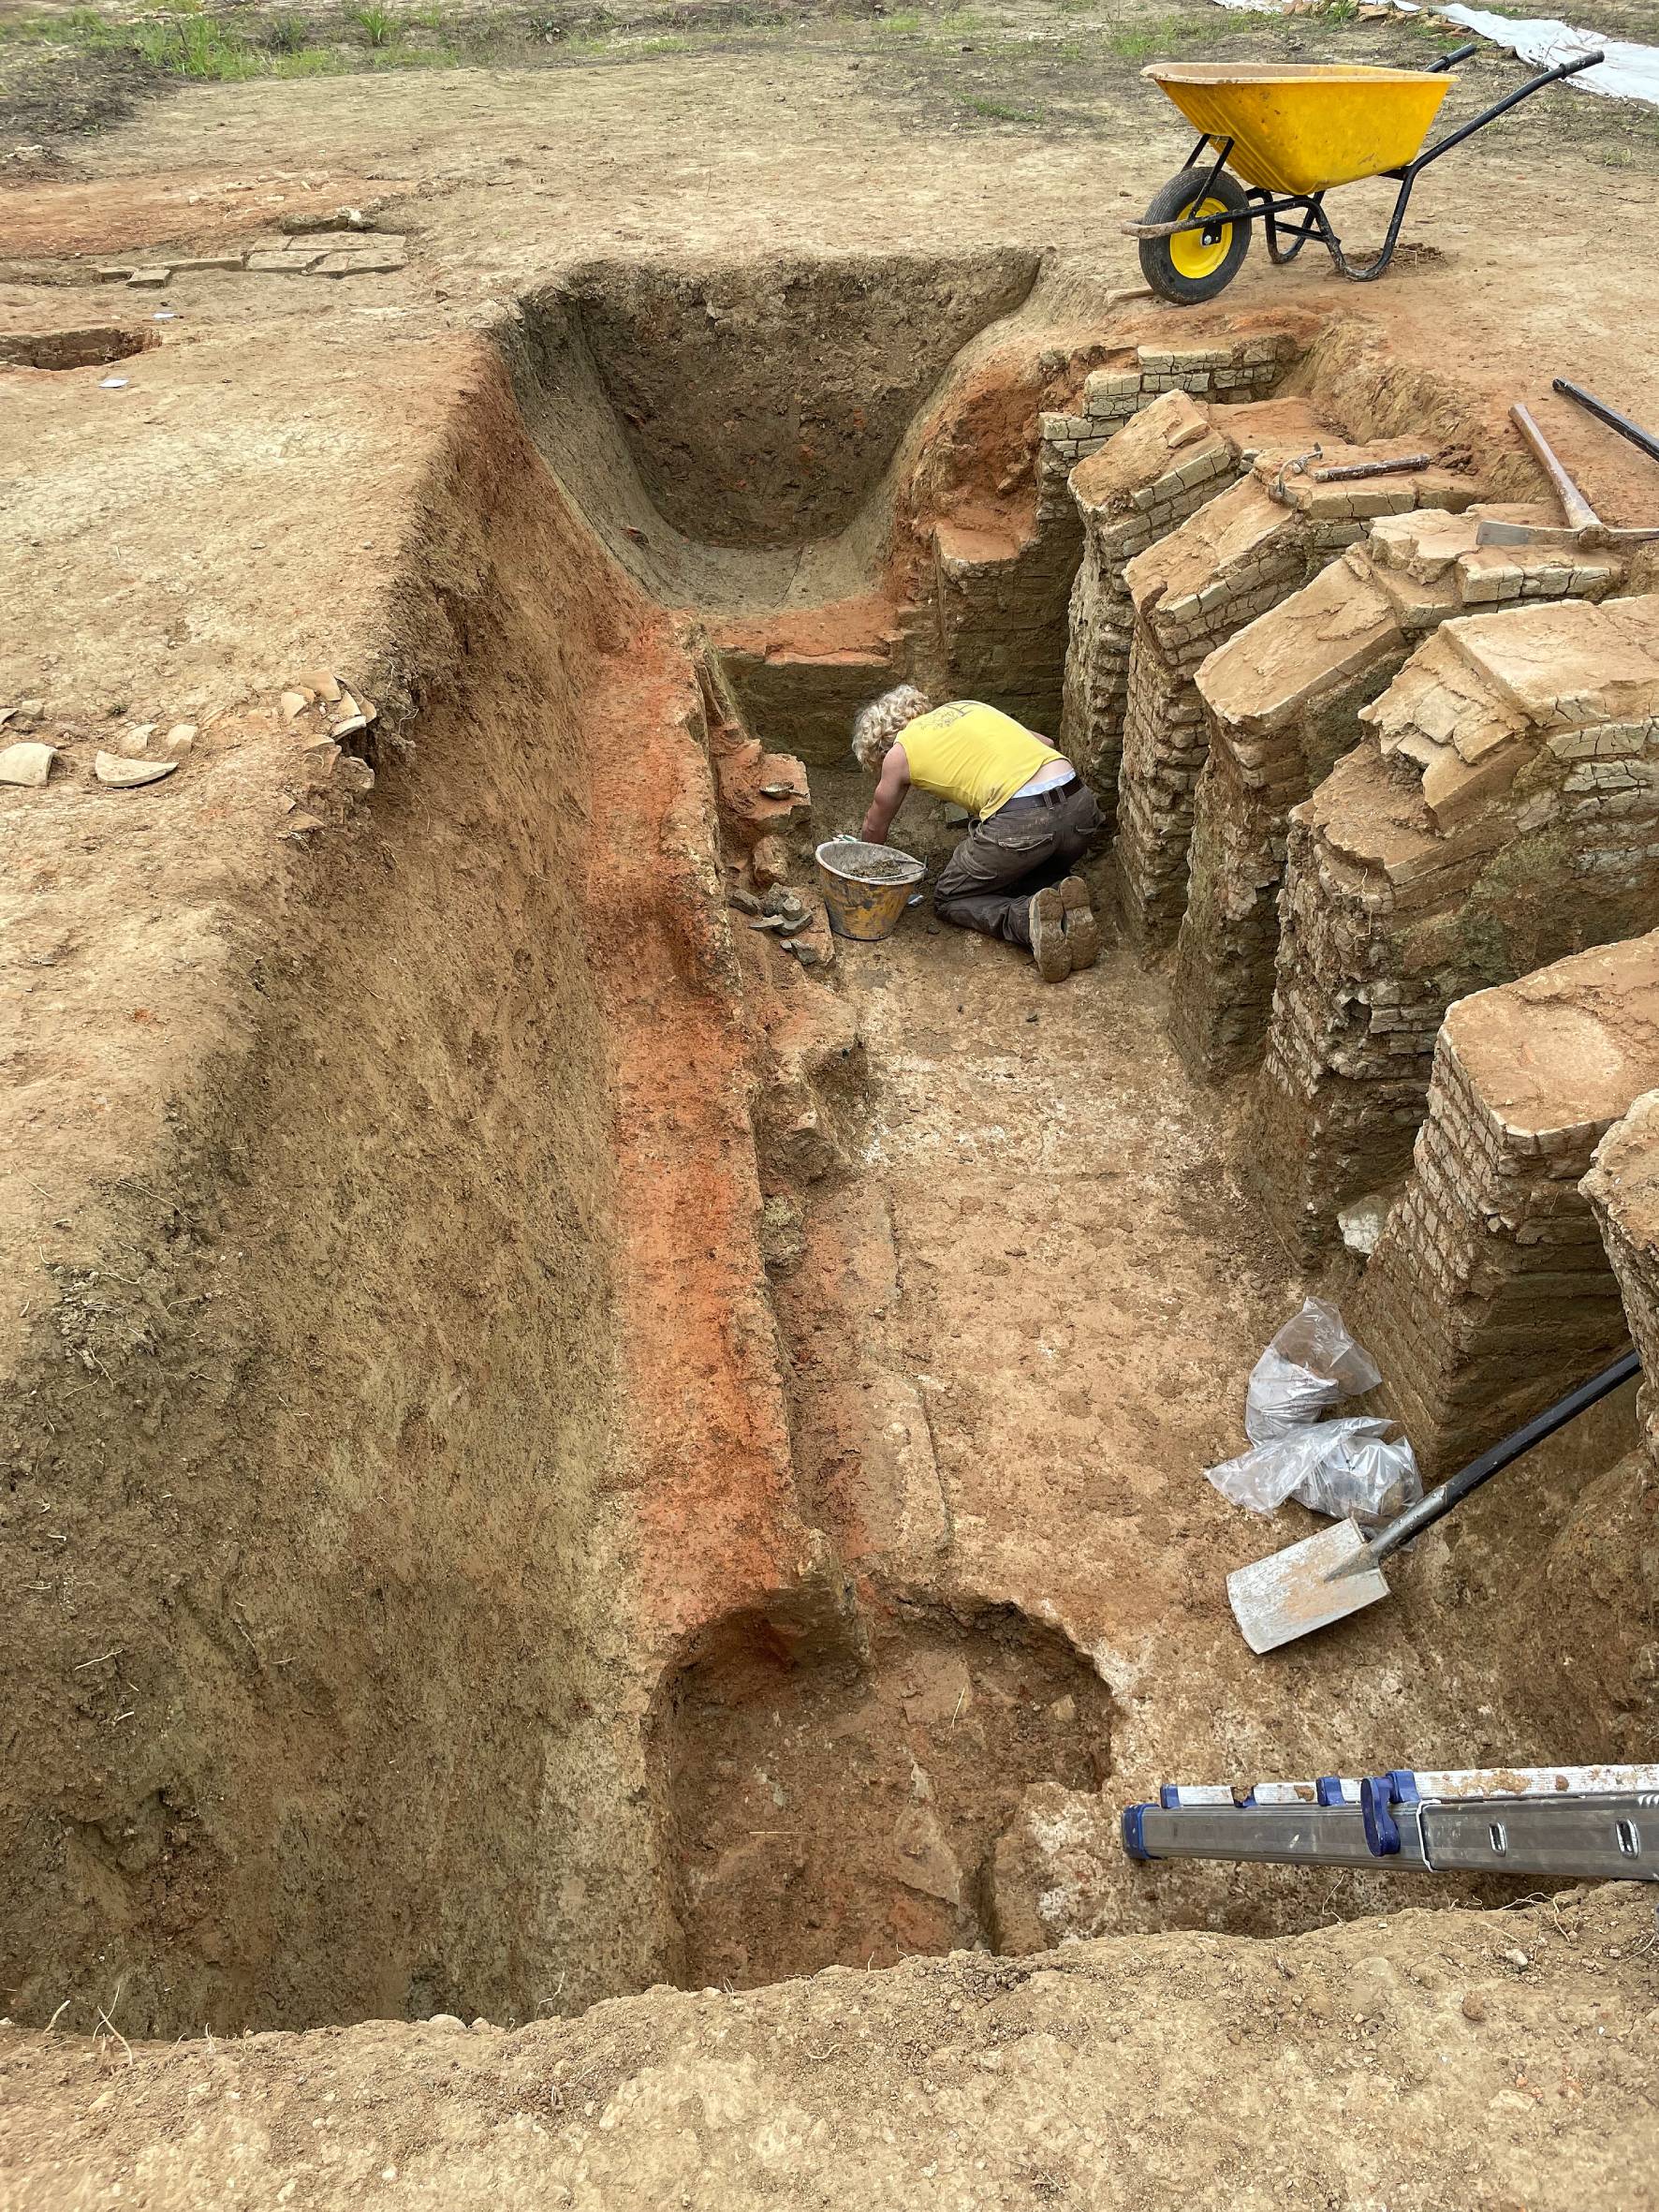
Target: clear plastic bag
[
  {"x": 1339, "y": 1468},
  {"x": 1310, "y": 1365}
]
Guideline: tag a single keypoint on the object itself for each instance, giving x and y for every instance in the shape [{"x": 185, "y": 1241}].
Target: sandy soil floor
[{"x": 1080, "y": 1286}]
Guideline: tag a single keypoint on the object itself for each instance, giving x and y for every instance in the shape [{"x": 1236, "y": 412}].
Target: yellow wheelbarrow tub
[{"x": 1305, "y": 130}]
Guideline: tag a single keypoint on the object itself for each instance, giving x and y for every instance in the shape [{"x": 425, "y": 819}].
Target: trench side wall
[{"x": 327, "y": 1483}]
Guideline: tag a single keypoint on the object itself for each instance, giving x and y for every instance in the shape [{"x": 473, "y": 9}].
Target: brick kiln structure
[
  {"x": 983, "y": 614},
  {"x": 1280, "y": 702},
  {"x": 1489, "y": 1292},
  {"x": 1502, "y": 812},
  {"x": 1239, "y": 555},
  {"x": 1161, "y": 467},
  {"x": 1001, "y": 598}
]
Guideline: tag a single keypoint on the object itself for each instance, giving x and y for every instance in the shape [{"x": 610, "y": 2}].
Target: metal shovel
[{"x": 1339, "y": 1572}]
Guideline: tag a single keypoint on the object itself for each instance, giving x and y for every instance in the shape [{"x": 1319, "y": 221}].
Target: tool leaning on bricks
[{"x": 1033, "y": 821}]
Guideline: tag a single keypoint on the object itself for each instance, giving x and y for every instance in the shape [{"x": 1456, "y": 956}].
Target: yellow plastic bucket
[{"x": 866, "y": 887}]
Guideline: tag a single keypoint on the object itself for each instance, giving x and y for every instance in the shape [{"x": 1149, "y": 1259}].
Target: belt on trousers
[{"x": 1052, "y": 797}]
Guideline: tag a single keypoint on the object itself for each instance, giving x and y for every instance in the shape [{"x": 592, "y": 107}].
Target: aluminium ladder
[{"x": 1587, "y": 1823}]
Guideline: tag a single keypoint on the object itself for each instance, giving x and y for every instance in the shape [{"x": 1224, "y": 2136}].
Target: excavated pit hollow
[{"x": 516, "y": 1652}]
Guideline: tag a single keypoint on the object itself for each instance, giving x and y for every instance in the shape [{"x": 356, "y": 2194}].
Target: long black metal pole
[
  {"x": 1522, "y": 91},
  {"x": 1429, "y": 1510},
  {"x": 1611, "y": 416}
]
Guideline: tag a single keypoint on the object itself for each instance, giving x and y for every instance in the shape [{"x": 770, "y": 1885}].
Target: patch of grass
[
  {"x": 285, "y": 33},
  {"x": 311, "y": 61},
  {"x": 999, "y": 111},
  {"x": 647, "y": 47},
  {"x": 378, "y": 25},
  {"x": 197, "y": 47},
  {"x": 1161, "y": 35}
]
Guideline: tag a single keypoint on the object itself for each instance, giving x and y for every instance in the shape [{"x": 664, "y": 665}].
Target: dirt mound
[{"x": 1434, "y": 2058}]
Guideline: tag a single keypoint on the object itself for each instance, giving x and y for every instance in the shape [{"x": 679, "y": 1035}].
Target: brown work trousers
[{"x": 988, "y": 882}]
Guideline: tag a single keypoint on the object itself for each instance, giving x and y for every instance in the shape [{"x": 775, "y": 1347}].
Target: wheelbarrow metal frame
[{"x": 1310, "y": 207}]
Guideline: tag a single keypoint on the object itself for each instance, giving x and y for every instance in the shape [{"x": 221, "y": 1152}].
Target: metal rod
[
  {"x": 1358, "y": 468},
  {"x": 1234, "y": 215},
  {"x": 1522, "y": 91},
  {"x": 1431, "y": 1509},
  {"x": 1611, "y": 416},
  {"x": 1220, "y": 163}
]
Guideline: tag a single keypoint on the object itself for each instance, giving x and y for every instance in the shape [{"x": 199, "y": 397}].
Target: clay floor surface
[{"x": 1081, "y": 1285}]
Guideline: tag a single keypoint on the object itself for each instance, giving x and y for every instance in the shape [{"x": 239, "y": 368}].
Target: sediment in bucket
[{"x": 865, "y": 885}]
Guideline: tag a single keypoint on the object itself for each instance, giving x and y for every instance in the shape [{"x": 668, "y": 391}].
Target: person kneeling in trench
[{"x": 1033, "y": 818}]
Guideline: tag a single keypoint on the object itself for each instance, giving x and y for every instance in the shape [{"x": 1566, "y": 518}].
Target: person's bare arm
[{"x": 890, "y": 787}]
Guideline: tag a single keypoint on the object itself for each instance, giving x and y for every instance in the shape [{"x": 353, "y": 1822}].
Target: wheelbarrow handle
[
  {"x": 1522, "y": 91},
  {"x": 1497, "y": 1456},
  {"x": 1458, "y": 53}
]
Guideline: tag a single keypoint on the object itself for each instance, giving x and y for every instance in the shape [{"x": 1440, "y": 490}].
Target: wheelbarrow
[{"x": 1292, "y": 134}]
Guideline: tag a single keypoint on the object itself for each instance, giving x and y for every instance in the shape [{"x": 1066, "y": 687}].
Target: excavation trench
[{"x": 645, "y": 1458}]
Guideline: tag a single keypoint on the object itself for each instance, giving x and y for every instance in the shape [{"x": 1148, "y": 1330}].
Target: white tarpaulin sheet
[{"x": 1630, "y": 72}]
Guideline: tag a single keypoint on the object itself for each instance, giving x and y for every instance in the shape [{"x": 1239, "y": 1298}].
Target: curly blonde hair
[{"x": 876, "y": 726}]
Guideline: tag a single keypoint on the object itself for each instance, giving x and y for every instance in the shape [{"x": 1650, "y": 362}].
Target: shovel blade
[
  {"x": 1491, "y": 532},
  {"x": 1306, "y": 1586}
]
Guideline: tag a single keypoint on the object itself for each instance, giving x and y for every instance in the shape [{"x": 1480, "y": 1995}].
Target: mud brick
[
  {"x": 380, "y": 264},
  {"x": 279, "y": 263}
]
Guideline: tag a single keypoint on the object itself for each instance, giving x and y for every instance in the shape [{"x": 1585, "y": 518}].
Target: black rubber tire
[{"x": 1171, "y": 202}]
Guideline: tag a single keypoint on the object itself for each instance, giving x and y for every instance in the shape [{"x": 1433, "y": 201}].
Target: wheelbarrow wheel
[{"x": 1195, "y": 265}]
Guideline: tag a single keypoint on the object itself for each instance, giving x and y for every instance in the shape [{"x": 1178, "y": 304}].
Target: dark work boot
[{"x": 1048, "y": 946}]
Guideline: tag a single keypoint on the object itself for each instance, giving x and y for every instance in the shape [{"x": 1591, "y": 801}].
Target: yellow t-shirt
[{"x": 971, "y": 754}]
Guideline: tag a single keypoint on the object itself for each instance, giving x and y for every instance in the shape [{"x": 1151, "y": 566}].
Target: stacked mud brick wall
[
  {"x": 988, "y": 618},
  {"x": 1001, "y": 604},
  {"x": 1281, "y": 702},
  {"x": 1502, "y": 812},
  {"x": 1160, "y": 467},
  {"x": 1489, "y": 1292},
  {"x": 1002, "y": 601},
  {"x": 1622, "y": 1186},
  {"x": 1239, "y": 555},
  {"x": 800, "y": 675},
  {"x": 1244, "y": 369}
]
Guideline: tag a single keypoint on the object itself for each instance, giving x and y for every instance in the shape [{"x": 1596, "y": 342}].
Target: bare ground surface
[
  {"x": 1434, "y": 2058},
  {"x": 1060, "y": 1269}
]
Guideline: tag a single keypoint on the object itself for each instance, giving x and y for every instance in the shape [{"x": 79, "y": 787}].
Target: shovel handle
[
  {"x": 1497, "y": 1456},
  {"x": 1579, "y": 514}
]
